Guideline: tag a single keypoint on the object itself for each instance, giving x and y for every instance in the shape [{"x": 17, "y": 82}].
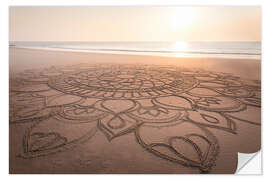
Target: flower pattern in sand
[{"x": 122, "y": 99}]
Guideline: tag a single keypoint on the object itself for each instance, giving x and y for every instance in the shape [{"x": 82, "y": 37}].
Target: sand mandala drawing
[{"x": 122, "y": 99}]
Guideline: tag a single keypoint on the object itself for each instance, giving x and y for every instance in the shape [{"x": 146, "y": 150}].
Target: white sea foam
[{"x": 247, "y": 50}]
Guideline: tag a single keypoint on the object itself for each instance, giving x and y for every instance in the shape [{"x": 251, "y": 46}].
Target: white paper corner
[{"x": 249, "y": 163}]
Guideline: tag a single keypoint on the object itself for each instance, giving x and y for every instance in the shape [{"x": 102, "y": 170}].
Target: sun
[{"x": 182, "y": 18}]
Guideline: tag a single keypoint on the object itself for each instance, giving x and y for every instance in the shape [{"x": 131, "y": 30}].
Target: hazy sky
[{"x": 141, "y": 23}]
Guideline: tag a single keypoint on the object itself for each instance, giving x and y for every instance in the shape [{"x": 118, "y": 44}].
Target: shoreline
[
  {"x": 140, "y": 53},
  {"x": 21, "y": 59}
]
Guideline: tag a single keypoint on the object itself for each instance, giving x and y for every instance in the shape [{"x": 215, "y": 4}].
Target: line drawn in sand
[{"x": 122, "y": 99}]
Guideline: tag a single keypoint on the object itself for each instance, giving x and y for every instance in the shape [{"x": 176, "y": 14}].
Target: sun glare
[
  {"x": 182, "y": 18},
  {"x": 179, "y": 46}
]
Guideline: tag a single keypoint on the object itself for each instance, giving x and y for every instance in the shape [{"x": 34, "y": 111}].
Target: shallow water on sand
[{"x": 248, "y": 50}]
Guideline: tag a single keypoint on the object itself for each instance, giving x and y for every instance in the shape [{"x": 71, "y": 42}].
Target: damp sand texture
[{"x": 93, "y": 113}]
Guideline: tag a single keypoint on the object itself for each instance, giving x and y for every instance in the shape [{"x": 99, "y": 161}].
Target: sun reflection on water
[{"x": 180, "y": 46}]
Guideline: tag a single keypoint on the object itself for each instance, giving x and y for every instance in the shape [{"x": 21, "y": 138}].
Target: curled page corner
[{"x": 249, "y": 163}]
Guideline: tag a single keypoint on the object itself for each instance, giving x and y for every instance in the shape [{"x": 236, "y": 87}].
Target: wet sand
[
  {"x": 23, "y": 59},
  {"x": 78, "y": 112}
]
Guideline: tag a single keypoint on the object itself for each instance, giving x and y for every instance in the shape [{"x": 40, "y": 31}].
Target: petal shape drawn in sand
[
  {"x": 39, "y": 140},
  {"x": 213, "y": 120},
  {"x": 62, "y": 99},
  {"x": 116, "y": 125},
  {"x": 197, "y": 148}
]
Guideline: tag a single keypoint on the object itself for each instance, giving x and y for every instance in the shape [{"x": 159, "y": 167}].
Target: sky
[{"x": 137, "y": 23}]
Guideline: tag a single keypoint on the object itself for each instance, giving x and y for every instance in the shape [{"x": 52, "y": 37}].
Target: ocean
[{"x": 237, "y": 50}]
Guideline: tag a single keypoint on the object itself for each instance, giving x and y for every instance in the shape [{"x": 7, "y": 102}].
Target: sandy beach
[
  {"x": 23, "y": 59},
  {"x": 78, "y": 112}
]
